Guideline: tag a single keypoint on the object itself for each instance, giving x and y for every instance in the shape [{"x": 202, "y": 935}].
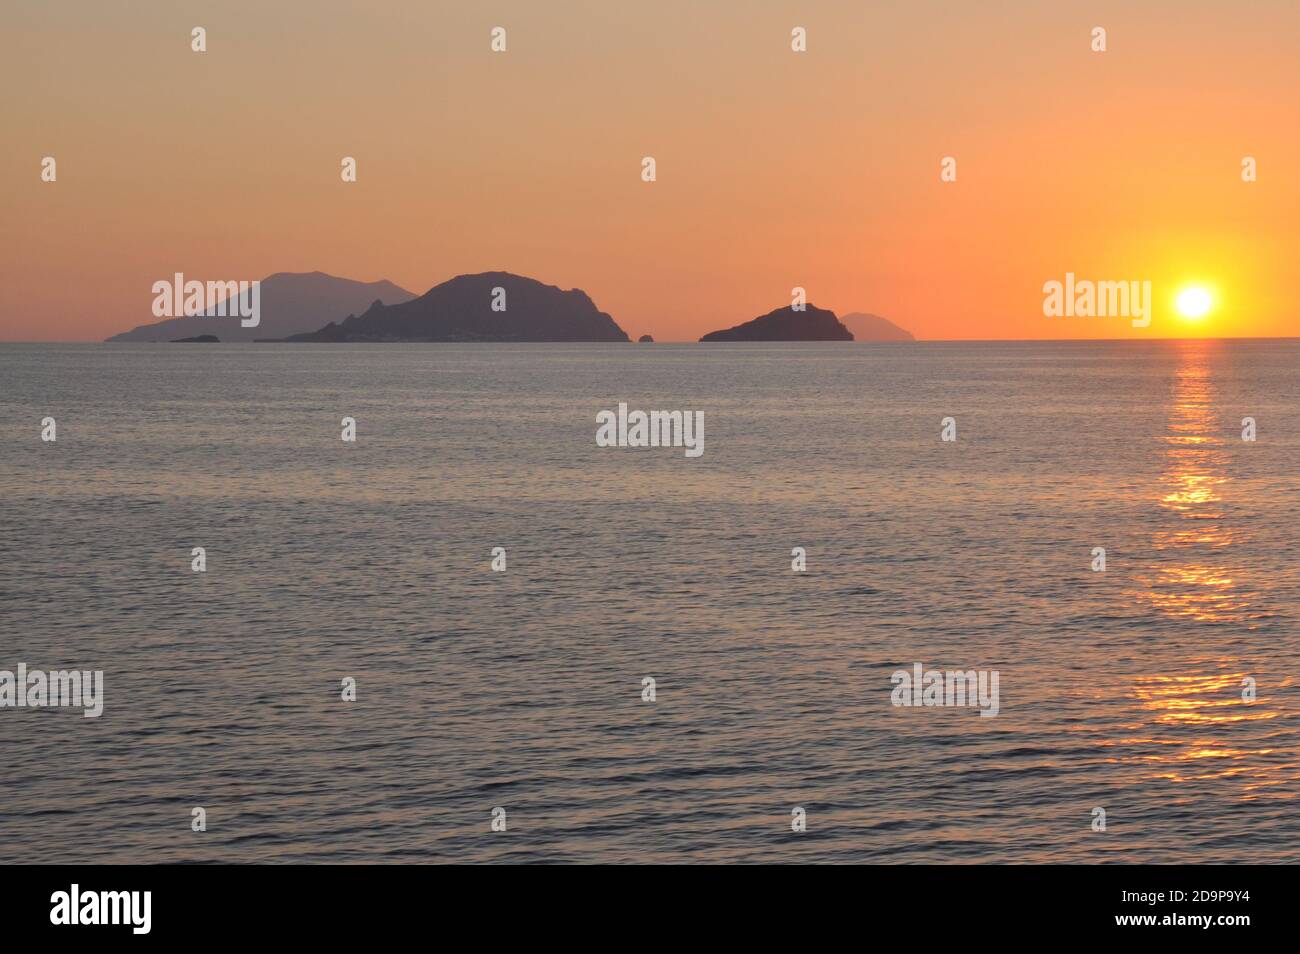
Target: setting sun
[{"x": 1193, "y": 302}]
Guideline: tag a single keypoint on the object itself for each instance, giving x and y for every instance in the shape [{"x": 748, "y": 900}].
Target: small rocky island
[
  {"x": 645, "y": 339},
  {"x": 491, "y": 306},
  {"x": 786, "y": 324},
  {"x": 197, "y": 339}
]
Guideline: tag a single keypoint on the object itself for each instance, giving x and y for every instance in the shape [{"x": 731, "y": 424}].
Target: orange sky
[{"x": 775, "y": 168}]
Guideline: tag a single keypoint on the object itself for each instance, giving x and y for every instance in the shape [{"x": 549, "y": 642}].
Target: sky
[{"x": 774, "y": 168}]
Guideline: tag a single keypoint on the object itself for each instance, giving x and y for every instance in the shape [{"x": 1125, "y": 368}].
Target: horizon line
[{"x": 100, "y": 341}]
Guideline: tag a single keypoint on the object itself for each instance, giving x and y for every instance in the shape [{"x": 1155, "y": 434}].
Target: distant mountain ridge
[
  {"x": 786, "y": 324},
  {"x": 868, "y": 327},
  {"x": 291, "y": 303},
  {"x": 469, "y": 308}
]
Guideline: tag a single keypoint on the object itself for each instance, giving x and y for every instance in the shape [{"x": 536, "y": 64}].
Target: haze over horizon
[{"x": 775, "y": 169}]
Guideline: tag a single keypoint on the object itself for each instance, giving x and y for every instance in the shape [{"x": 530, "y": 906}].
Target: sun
[{"x": 1193, "y": 302}]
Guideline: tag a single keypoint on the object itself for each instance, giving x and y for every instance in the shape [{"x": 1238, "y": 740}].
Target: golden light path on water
[
  {"x": 1200, "y": 583},
  {"x": 1195, "y": 580}
]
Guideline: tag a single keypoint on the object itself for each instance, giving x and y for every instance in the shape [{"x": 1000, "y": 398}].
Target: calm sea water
[{"x": 522, "y": 689}]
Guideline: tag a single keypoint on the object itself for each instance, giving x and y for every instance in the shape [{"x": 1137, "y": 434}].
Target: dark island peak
[
  {"x": 787, "y": 324},
  {"x": 488, "y": 306}
]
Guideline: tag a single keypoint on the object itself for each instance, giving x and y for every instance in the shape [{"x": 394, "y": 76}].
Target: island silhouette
[
  {"x": 292, "y": 302},
  {"x": 787, "y": 324},
  {"x": 490, "y": 306},
  {"x": 314, "y": 307},
  {"x": 868, "y": 327}
]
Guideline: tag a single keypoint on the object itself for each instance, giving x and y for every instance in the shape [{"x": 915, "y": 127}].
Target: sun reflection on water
[
  {"x": 1193, "y": 578},
  {"x": 1202, "y": 707},
  {"x": 1185, "y": 726}
]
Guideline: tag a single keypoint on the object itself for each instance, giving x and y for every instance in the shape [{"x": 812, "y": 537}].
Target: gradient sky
[{"x": 775, "y": 168}]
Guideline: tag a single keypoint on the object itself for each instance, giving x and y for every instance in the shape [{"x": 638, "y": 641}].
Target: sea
[{"x": 670, "y": 658}]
